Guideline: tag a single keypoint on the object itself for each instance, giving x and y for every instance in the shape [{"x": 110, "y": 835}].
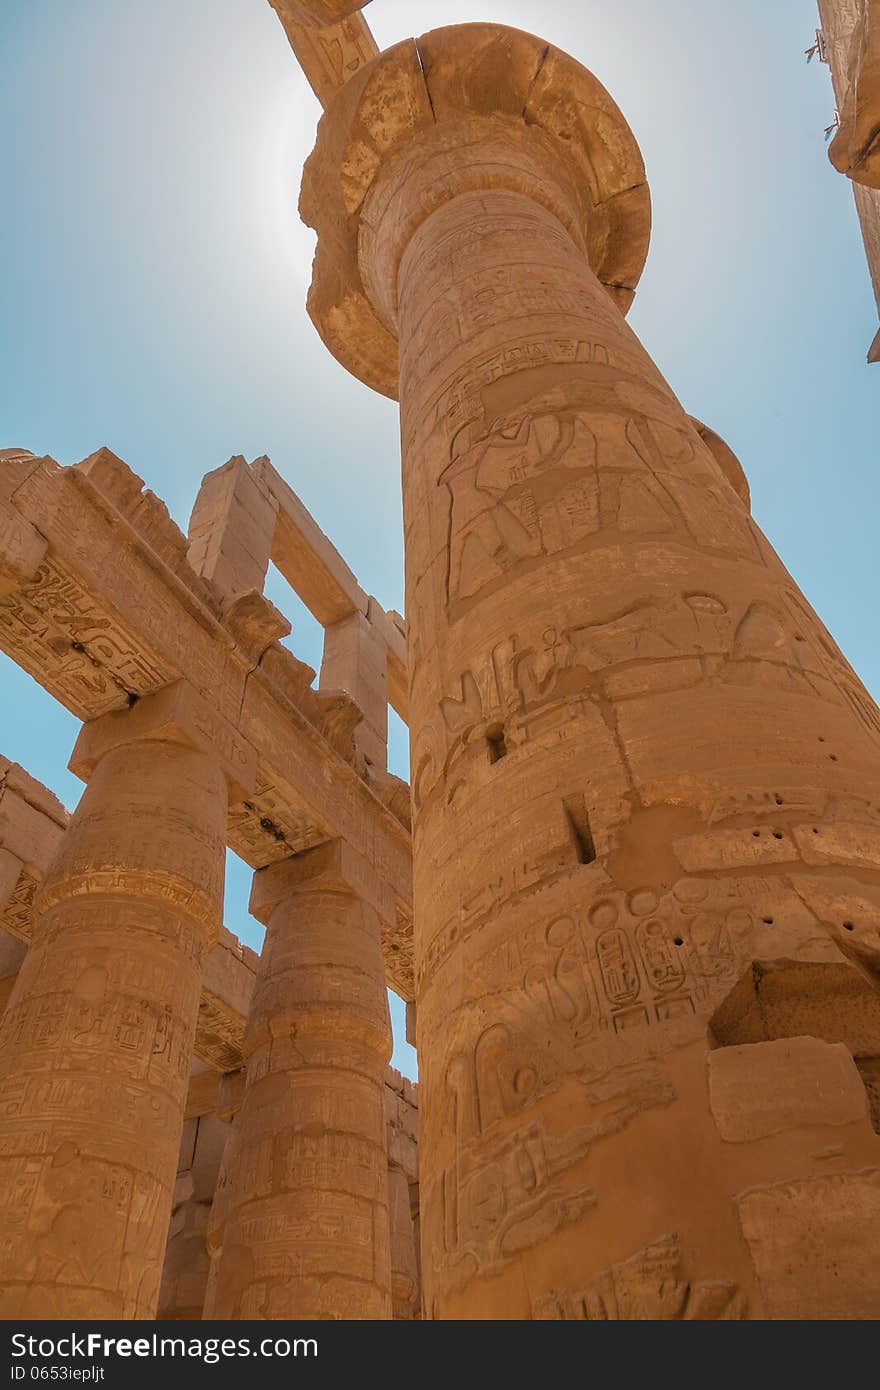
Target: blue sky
[{"x": 155, "y": 271}]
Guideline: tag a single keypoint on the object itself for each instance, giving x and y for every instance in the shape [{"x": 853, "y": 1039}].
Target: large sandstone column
[
  {"x": 96, "y": 1042},
  {"x": 300, "y": 1226},
  {"x": 645, "y": 780}
]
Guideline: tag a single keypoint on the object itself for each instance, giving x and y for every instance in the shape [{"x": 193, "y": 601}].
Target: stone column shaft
[
  {"x": 300, "y": 1226},
  {"x": 96, "y": 1042},
  {"x": 633, "y": 743}
]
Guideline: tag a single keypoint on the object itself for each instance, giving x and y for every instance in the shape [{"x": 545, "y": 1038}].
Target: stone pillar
[
  {"x": 96, "y": 1042},
  {"x": 300, "y": 1228},
  {"x": 639, "y": 762},
  {"x": 404, "y": 1262},
  {"x": 356, "y": 660}
]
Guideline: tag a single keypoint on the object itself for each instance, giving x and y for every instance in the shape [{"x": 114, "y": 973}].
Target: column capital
[
  {"x": 528, "y": 118},
  {"x": 175, "y": 714},
  {"x": 333, "y": 867}
]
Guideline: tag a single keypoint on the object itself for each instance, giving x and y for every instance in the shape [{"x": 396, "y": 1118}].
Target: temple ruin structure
[
  {"x": 849, "y": 42},
  {"x": 632, "y": 894}
]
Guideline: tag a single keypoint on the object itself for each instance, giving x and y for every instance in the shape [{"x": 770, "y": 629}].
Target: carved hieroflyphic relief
[
  {"x": 661, "y": 642},
  {"x": 649, "y": 1286},
  {"x": 510, "y": 1185},
  {"x": 619, "y": 962},
  {"x": 69, "y": 641},
  {"x": 586, "y": 447},
  {"x": 268, "y": 826},
  {"x": 331, "y": 54},
  {"x": 17, "y": 913}
]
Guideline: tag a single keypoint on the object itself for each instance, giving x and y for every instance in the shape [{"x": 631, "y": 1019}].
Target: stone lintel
[
  {"x": 177, "y": 714},
  {"x": 317, "y": 13},
  {"x": 10, "y": 871},
  {"x": 22, "y": 550},
  {"x": 329, "y": 56},
  {"x": 32, "y": 823},
  {"x": 333, "y": 867},
  {"x": 231, "y": 529},
  {"x": 308, "y": 560}
]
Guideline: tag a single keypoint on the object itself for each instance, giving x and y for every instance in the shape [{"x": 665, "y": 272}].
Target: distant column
[{"x": 301, "y": 1220}]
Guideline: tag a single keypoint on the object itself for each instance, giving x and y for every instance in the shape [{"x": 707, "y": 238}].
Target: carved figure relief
[{"x": 650, "y": 1286}]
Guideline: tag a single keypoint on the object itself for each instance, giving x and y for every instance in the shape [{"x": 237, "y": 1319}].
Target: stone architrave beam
[
  {"x": 116, "y": 612},
  {"x": 840, "y": 28},
  {"x": 331, "y": 42}
]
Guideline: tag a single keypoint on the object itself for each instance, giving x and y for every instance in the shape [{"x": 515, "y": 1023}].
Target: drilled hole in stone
[
  {"x": 496, "y": 743},
  {"x": 757, "y": 834},
  {"x": 849, "y": 926},
  {"x": 815, "y": 830},
  {"x": 833, "y": 757},
  {"x": 679, "y": 941},
  {"x": 777, "y": 835},
  {"x": 821, "y": 739},
  {"x": 768, "y": 921},
  {"x": 778, "y": 800}
]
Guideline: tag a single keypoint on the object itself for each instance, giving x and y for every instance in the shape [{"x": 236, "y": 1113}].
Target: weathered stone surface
[
  {"x": 404, "y": 1263},
  {"x": 302, "y": 1228},
  {"x": 100, "y": 637},
  {"x": 814, "y": 1245},
  {"x": 644, "y": 811},
  {"x": 855, "y": 149},
  {"x": 319, "y": 12},
  {"x": 824, "y": 999},
  {"x": 639, "y": 762},
  {"x": 840, "y": 24},
  {"x": 519, "y": 95},
  {"x": 98, "y": 1034},
  {"x": 329, "y": 54},
  {"x": 768, "y": 1087}
]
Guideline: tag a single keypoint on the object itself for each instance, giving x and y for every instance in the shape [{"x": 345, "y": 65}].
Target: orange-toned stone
[
  {"x": 855, "y": 149},
  {"x": 329, "y": 52},
  {"x": 98, "y": 1034},
  {"x": 300, "y": 1225},
  {"x": 318, "y": 12},
  {"x": 404, "y": 1262},
  {"x": 842, "y": 34},
  {"x": 640, "y": 763}
]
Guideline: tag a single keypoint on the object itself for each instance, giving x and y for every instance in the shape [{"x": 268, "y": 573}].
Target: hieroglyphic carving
[
  {"x": 331, "y": 54},
  {"x": 268, "y": 826},
  {"x": 504, "y": 1192},
  {"x": 69, "y": 641},
  {"x": 659, "y": 643},
  {"x": 832, "y": 663},
  {"x": 592, "y": 448},
  {"x": 17, "y": 913},
  {"x": 649, "y": 1286}
]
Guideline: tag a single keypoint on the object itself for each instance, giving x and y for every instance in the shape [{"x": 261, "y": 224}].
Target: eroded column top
[{"x": 465, "y": 108}]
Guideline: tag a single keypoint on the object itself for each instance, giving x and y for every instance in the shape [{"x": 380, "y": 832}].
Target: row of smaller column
[{"x": 97, "y": 1039}]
